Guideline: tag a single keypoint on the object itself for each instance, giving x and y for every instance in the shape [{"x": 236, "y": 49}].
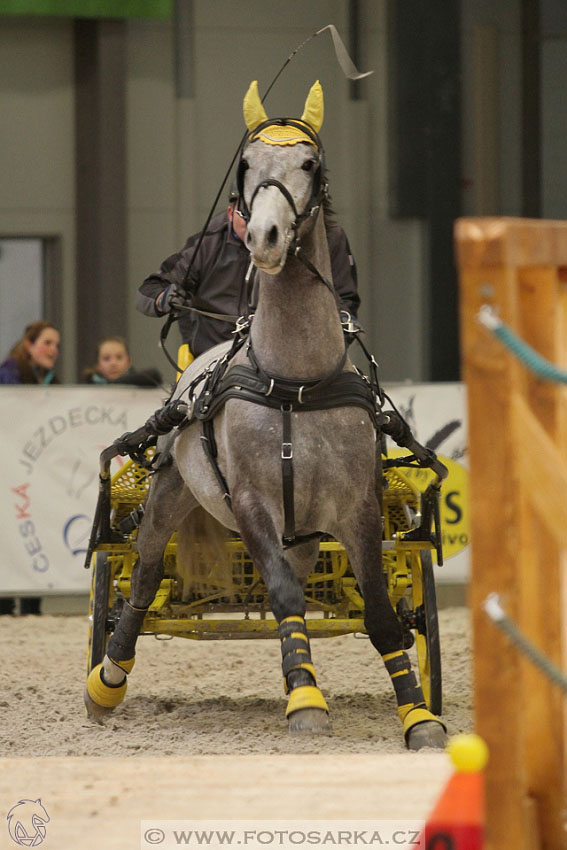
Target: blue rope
[
  {"x": 534, "y": 361},
  {"x": 498, "y": 616}
]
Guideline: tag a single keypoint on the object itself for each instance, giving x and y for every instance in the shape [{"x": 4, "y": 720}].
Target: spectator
[
  {"x": 31, "y": 361},
  {"x": 33, "y": 357},
  {"x": 113, "y": 366}
]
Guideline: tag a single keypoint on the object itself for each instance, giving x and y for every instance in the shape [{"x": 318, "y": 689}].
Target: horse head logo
[{"x": 26, "y": 823}]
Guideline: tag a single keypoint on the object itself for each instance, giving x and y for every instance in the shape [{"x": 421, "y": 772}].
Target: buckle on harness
[
  {"x": 287, "y": 451},
  {"x": 242, "y": 325}
]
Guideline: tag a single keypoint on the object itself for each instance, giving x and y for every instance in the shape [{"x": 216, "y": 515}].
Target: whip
[{"x": 350, "y": 71}]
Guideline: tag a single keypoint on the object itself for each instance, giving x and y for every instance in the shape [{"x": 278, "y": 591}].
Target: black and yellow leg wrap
[
  {"x": 409, "y": 695},
  {"x": 122, "y": 644},
  {"x": 296, "y": 655},
  {"x": 408, "y": 692},
  {"x": 296, "y": 652}
]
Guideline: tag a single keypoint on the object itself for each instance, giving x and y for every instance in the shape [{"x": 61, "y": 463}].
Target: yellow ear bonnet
[
  {"x": 314, "y": 109},
  {"x": 282, "y": 133},
  {"x": 254, "y": 112}
]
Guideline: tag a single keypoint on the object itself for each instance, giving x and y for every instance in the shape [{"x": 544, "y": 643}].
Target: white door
[{"x": 21, "y": 288}]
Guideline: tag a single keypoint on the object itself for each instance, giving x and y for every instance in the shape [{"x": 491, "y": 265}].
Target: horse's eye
[
  {"x": 244, "y": 164},
  {"x": 308, "y": 165}
]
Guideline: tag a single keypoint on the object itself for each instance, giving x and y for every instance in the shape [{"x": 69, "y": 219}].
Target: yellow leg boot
[
  {"x": 422, "y": 728},
  {"x": 101, "y": 696},
  {"x": 307, "y": 712}
]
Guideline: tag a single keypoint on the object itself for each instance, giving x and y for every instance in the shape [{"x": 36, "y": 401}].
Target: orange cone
[{"x": 457, "y": 821}]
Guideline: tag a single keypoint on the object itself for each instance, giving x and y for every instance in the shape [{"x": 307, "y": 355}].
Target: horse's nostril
[{"x": 273, "y": 235}]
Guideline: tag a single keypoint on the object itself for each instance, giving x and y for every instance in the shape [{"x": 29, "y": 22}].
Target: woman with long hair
[{"x": 33, "y": 357}]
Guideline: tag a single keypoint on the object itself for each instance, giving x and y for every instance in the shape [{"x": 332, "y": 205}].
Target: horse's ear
[
  {"x": 254, "y": 112},
  {"x": 313, "y": 111}
]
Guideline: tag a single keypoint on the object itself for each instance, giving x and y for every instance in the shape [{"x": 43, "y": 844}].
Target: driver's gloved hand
[{"x": 171, "y": 299}]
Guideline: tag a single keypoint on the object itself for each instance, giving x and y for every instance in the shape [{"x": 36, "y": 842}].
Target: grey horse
[{"x": 297, "y": 336}]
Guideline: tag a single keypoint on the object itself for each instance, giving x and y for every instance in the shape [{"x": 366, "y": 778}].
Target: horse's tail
[{"x": 203, "y": 560}]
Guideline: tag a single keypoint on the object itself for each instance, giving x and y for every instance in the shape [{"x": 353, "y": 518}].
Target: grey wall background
[{"x": 183, "y": 123}]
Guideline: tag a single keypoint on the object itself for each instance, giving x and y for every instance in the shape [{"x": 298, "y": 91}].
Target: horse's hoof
[
  {"x": 430, "y": 733},
  {"x": 310, "y": 721},
  {"x": 95, "y": 711}
]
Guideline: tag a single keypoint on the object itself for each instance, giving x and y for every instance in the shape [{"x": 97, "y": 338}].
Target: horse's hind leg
[
  {"x": 169, "y": 501},
  {"x": 307, "y": 711},
  {"x": 362, "y": 541}
]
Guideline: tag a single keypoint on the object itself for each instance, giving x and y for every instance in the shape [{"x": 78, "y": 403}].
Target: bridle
[{"x": 319, "y": 191}]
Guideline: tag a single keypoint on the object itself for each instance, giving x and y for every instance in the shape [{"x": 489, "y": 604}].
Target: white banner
[{"x": 51, "y": 439}]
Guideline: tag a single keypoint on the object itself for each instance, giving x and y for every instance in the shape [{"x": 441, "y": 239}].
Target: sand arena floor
[{"x": 202, "y": 733}]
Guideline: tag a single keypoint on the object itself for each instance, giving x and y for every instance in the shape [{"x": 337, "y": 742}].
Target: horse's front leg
[
  {"x": 169, "y": 501},
  {"x": 362, "y": 540},
  {"x": 307, "y": 711}
]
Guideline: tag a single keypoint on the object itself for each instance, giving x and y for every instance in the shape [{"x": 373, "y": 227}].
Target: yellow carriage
[{"x": 224, "y": 597}]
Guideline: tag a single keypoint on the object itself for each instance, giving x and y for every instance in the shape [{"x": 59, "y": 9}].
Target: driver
[{"x": 222, "y": 280}]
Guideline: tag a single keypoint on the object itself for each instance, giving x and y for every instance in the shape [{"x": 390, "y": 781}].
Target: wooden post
[{"x": 518, "y": 462}]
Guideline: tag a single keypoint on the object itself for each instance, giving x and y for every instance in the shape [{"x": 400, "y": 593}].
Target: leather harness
[{"x": 251, "y": 383}]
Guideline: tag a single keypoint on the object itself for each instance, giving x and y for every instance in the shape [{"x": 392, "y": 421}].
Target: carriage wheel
[
  {"x": 424, "y": 603},
  {"x": 98, "y": 632}
]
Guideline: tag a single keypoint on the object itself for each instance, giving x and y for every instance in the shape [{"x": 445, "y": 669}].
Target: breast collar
[{"x": 252, "y": 383}]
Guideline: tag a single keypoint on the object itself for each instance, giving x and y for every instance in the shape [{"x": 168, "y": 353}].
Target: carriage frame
[{"x": 227, "y": 601}]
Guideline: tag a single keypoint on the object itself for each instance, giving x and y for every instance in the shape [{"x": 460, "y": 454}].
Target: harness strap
[
  {"x": 287, "y": 476},
  {"x": 296, "y": 385},
  {"x": 289, "y": 537},
  {"x": 210, "y": 448},
  {"x": 242, "y": 382},
  {"x": 222, "y": 317}
]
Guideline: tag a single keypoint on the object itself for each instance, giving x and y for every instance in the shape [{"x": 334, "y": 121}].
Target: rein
[
  {"x": 252, "y": 383},
  {"x": 318, "y": 194}
]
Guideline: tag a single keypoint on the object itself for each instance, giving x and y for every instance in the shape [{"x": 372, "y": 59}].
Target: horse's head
[{"x": 280, "y": 177}]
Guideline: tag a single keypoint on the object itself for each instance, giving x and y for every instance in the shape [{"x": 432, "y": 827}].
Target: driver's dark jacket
[{"x": 218, "y": 282}]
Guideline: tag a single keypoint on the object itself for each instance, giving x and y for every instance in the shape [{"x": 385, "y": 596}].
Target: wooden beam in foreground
[{"x": 518, "y": 461}]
